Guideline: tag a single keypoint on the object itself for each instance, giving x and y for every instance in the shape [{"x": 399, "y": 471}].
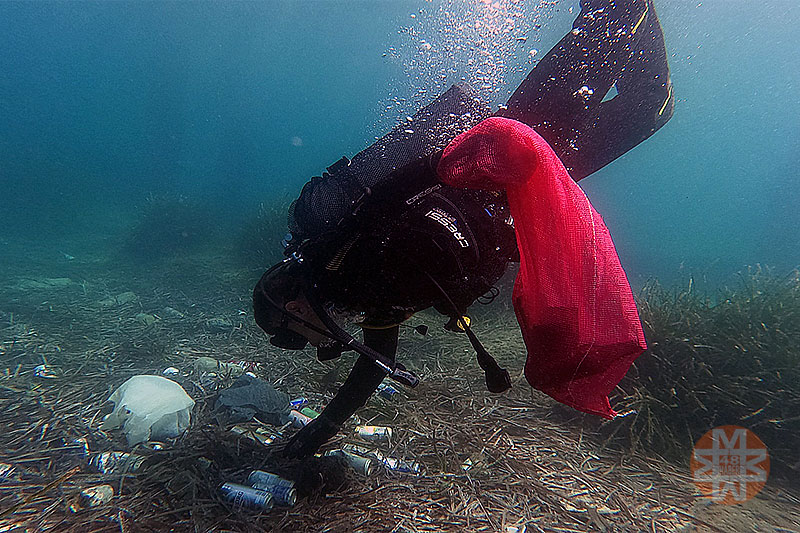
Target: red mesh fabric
[{"x": 572, "y": 298}]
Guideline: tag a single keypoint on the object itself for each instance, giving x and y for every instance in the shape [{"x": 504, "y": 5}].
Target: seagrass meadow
[
  {"x": 513, "y": 462},
  {"x": 153, "y": 155},
  {"x": 733, "y": 358}
]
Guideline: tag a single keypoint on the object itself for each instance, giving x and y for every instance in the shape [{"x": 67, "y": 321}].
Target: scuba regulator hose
[
  {"x": 394, "y": 370},
  {"x": 497, "y": 378}
]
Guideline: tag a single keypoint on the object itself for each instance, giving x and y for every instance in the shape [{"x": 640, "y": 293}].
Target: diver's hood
[{"x": 269, "y": 316}]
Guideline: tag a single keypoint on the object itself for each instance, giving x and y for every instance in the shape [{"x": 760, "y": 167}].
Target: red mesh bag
[{"x": 571, "y": 297}]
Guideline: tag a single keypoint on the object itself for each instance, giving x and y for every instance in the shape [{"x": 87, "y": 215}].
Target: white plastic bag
[{"x": 149, "y": 408}]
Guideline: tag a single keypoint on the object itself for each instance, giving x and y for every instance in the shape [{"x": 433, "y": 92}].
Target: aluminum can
[
  {"x": 298, "y": 419},
  {"x": 281, "y": 494},
  {"x": 243, "y": 497},
  {"x": 309, "y": 412},
  {"x": 282, "y": 490},
  {"x": 117, "y": 462},
  {"x": 359, "y": 463},
  {"x": 298, "y": 403},
  {"x": 374, "y": 433},
  {"x": 387, "y": 391},
  {"x": 261, "y": 435},
  {"x": 399, "y": 465},
  {"x": 267, "y": 478},
  {"x": 362, "y": 451},
  {"x": 391, "y": 463}
]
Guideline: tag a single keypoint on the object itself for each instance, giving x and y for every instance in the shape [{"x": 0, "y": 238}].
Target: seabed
[{"x": 508, "y": 463}]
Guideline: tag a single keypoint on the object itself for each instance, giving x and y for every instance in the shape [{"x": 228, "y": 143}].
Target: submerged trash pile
[
  {"x": 457, "y": 467},
  {"x": 447, "y": 456}
]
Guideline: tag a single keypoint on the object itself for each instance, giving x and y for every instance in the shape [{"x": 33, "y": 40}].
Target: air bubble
[{"x": 585, "y": 92}]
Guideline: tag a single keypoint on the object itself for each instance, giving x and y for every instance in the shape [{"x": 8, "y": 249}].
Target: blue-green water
[
  {"x": 103, "y": 103},
  {"x": 162, "y": 126}
]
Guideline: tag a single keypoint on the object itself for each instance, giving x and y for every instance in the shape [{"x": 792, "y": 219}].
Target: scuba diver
[{"x": 431, "y": 216}]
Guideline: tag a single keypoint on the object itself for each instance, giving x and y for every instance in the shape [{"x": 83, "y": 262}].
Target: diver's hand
[{"x": 306, "y": 441}]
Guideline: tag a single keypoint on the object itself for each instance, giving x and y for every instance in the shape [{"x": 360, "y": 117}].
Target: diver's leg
[{"x": 611, "y": 42}]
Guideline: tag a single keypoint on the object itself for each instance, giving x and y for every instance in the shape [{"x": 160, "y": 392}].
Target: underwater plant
[
  {"x": 257, "y": 243},
  {"x": 732, "y": 360},
  {"x": 167, "y": 224}
]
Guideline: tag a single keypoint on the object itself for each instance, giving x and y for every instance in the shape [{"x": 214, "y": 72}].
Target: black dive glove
[{"x": 308, "y": 440}]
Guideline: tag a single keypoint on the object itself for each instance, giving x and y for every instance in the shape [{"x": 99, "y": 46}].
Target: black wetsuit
[
  {"x": 381, "y": 265},
  {"x": 412, "y": 229},
  {"x": 462, "y": 239}
]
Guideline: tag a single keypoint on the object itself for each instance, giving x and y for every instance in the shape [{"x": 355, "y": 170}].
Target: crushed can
[
  {"x": 386, "y": 391},
  {"x": 261, "y": 436},
  {"x": 282, "y": 490},
  {"x": 362, "y": 451},
  {"x": 209, "y": 383},
  {"x": 298, "y": 403},
  {"x": 117, "y": 462},
  {"x": 374, "y": 433},
  {"x": 243, "y": 497},
  {"x": 298, "y": 419},
  {"x": 250, "y": 367},
  {"x": 209, "y": 365},
  {"x": 359, "y": 463},
  {"x": 400, "y": 465},
  {"x": 94, "y": 496}
]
